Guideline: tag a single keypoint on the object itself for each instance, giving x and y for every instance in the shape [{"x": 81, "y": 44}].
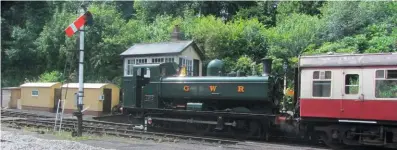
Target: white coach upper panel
[{"x": 344, "y": 60}]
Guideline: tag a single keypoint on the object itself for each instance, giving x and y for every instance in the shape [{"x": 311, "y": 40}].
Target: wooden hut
[
  {"x": 99, "y": 98},
  {"x": 10, "y": 97},
  {"x": 39, "y": 96}
]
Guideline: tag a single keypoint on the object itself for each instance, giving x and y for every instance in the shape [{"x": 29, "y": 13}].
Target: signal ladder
[{"x": 59, "y": 115}]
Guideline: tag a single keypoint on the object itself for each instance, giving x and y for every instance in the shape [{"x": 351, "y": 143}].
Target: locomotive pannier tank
[
  {"x": 216, "y": 91},
  {"x": 215, "y": 88}
]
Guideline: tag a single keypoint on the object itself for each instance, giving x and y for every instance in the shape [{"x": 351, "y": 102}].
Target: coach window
[
  {"x": 352, "y": 83},
  {"x": 386, "y": 84},
  {"x": 321, "y": 84}
]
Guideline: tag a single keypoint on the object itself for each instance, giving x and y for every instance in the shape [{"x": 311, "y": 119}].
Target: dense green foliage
[{"x": 35, "y": 47}]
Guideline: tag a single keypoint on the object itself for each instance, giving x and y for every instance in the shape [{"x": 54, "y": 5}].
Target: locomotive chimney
[{"x": 267, "y": 66}]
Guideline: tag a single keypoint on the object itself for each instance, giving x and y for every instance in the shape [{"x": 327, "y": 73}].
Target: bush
[{"x": 53, "y": 76}]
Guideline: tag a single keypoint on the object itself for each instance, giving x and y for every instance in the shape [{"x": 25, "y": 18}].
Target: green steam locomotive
[{"x": 160, "y": 93}]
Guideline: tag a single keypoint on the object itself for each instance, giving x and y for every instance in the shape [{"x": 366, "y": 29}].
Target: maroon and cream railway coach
[{"x": 350, "y": 97}]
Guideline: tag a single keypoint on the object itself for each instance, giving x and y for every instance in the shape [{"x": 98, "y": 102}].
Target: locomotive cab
[{"x": 144, "y": 84}]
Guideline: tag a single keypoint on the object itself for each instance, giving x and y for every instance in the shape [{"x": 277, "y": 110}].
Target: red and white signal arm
[
  {"x": 75, "y": 26},
  {"x": 78, "y": 23}
]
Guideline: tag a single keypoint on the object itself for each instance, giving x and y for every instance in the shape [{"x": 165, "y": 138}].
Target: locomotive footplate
[
  {"x": 239, "y": 125},
  {"x": 162, "y": 112},
  {"x": 219, "y": 121}
]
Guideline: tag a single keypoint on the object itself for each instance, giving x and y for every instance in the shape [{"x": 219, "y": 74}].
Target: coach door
[{"x": 352, "y": 84}]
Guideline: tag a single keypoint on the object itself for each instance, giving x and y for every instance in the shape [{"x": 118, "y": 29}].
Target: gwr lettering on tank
[
  {"x": 186, "y": 88},
  {"x": 213, "y": 88},
  {"x": 240, "y": 89}
]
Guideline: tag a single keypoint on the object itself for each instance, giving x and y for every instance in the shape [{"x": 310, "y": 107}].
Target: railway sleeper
[{"x": 69, "y": 126}]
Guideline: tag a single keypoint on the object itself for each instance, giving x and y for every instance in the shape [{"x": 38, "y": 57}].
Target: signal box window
[
  {"x": 141, "y": 61},
  {"x": 162, "y": 60},
  {"x": 129, "y": 64},
  {"x": 321, "y": 84},
  {"x": 188, "y": 63},
  {"x": 352, "y": 84},
  {"x": 386, "y": 84},
  {"x": 144, "y": 71}
]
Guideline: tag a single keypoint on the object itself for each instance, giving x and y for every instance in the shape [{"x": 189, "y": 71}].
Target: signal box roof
[
  {"x": 349, "y": 60},
  {"x": 161, "y": 48}
]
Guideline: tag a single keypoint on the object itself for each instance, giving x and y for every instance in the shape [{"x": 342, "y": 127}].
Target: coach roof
[{"x": 346, "y": 60}]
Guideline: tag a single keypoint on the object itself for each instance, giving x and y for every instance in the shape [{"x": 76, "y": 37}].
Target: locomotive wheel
[
  {"x": 254, "y": 127},
  {"x": 246, "y": 129},
  {"x": 202, "y": 129}
]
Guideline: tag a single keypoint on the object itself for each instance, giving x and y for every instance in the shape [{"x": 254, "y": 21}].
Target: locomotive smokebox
[{"x": 267, "y": 66}]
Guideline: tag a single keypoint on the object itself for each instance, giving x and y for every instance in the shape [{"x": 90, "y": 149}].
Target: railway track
[
  {"x": 9, "y": 113},
  {"x": 18, "y": 119}
]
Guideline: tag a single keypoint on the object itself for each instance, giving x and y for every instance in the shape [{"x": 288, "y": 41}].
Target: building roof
[
  {"x": 345, "y": 60},
  {"x": 174, "y": 47},
  {"x": 86, "y": 85},
  {"x": 10, "y": 88},
  {"x": 39, "y": 84}
]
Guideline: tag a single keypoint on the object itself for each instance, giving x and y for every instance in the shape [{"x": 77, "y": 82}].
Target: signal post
[{"x": 84, "y": 19}]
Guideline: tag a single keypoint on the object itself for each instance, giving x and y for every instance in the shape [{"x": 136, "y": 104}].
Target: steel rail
[{"x": 117, "y": 129}]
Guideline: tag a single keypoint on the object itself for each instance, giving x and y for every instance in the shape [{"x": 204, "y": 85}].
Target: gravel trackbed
[{"x": 12, "y": 139}]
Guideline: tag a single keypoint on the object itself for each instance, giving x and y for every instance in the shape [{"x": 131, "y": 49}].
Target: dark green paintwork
[
  {"x": 130, "y": 97},
  {"x": 150, "y": 90},
  {"x": 255, "y": 88},
  {"x": 127, "y": 91},
  {"x": 215, "y": 68},
  {"x": 162, "y": 86}
]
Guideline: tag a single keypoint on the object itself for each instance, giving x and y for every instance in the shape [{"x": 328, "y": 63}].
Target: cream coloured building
[
  {"x": 183, "y": 52},
  {"x": 99, "y": 98},
  {"x": 39, "y": 96}
]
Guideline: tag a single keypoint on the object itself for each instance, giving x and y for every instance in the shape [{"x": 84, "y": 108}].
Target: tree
[
  {"x": 53, "y": 76},
  {"x": 148, "y": 10},
  {"x": 248, "y": 66},
  {"x": 21, "y": 24},
  {"x": 312, "y": 8},
  {"x": 265, "y": 12},
  {"x": 348, "y": 18},
  {"x": 34, "y": 43},
  {"x": 292, "y": 35}
]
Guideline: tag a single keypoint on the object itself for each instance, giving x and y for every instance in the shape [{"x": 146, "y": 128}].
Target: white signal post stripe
[{"x": 73, "y": 27}]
